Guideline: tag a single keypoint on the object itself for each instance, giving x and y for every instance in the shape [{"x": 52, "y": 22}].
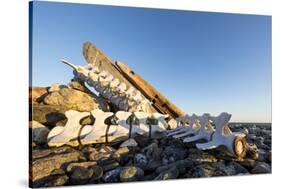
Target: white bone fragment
[
  {"x": 142, "y": 128},
  {"x": 205, "y": 131},
  {"x": 123, "y": 126},
  {"x": 161, "y": 125},
  {"x": 223, "y": 137},
  {"x": 60, "y": 135},
  {"x": 187, "y": 130},
  {"x": 98, "y": 130}
]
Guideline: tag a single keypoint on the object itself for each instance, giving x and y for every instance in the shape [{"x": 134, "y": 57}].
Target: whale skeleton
[
  {"x": 109, "y": 127},
  {"x": 134, "y": 119}
]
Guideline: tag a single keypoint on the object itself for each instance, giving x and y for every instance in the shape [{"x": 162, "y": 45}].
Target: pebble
[
  {"x": 131, "y": 173},
  {"x": 140, "y": 160},
  {"x": 129, "y": 143}
]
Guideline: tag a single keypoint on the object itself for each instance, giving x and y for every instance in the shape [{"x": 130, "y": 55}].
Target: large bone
[
  {"x": 61, "y": 135},
  {"x": 90, "y": 134},
  {"x": 234, "y": 143},
  {"x": 205, "y": 131},
  {"x": 126, "y": 98}
]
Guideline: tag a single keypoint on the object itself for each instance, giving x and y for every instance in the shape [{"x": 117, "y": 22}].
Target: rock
[
  {"x": 81, "y": 175},
  {"x": 72, "y": 99},
  {"x": 178, "y": 164},
  {"x": 140, "y": 160},
  {"x": 123, "y": 155},
  {"x": 204, "y": 170},
  {"x": 262, "y": 155},
  {"x": 131, "y": 173},
  {"x": 261, "y": 167},
  {"x": 48, "y": 114},
  {"x": 174, "y": 153},
  {"x": 87, "y": 150},
  {"x": 152, "y": 152},
  {"x": 109, "y": 166},
  {"x": 252, "y": 151},
  {"x": 86, "y": 165},
  {"x": 142, "y": 141},
  {"x": 97, "y": 173},
  {"x": 39, "y": 132},
  {"x": 112, "y": 176},
  {"x": 229, "y": 168},
  {"x": 129, "y": 143},
  {"x": 56, "y": 87},
  {"x": 201, "y": 156},
  {"x": 46, "y": 161},
  {"x": 52, "y": 181},
  {"x": 152, "y": 165},
  {"x": 168, "y": 174},
  {"x": 36, "y": 94},
  {"x": 248, "y": 163}
]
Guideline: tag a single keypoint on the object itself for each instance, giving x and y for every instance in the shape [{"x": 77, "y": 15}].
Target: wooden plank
[
  {"x": 159, "y": 101},
  {"x": 96, "y": 57}
]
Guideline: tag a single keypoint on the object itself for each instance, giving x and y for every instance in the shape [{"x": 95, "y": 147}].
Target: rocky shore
[{"x": 137, "y": 159}]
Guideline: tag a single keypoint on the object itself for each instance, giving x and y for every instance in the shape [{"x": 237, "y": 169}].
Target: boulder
[
  {"x": 36, "y": 94},
  {"x": 39, "y": 132},
  {"x": 48, "y": 114},
  {"x": 44, "y": 162},
  {"x": 72, "y": 99},
  {"x": 81, "y": 175},
  {"x": 86, "y": 165}
]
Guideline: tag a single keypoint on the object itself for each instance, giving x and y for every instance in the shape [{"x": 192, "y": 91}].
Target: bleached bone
[
  {"x": 185, "y": 130},
  {"x": 205, "y": 131},
  {"x": 111, "y": 88},
  {"x": 142, "y": 128},
  {"x": 161, "y": 124},
  {"x": 61, "y": 135},
  {"x": 99, "y": 129},
  {"x": 194, "y": 127},
  {"x": 234, "y": 143}
]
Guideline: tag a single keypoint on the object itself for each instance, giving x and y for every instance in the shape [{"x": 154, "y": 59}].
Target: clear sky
[{"x": 203, "y": 62}]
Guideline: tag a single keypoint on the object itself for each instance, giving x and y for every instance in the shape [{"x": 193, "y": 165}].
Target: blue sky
[{"x": 203, "y": 62}]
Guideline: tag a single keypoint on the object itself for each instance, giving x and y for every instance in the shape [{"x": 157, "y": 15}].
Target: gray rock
[
  {"x": 109, "y": 166},
  {"x": 168, "y": 174},
  {"x": 248, "y": 163},
  {"x": 178, "y": 164},
  {"x": 261, "y": 167},
  {"x": 131, "y": 173},
  {"x": 81, "y": 175},
  {"x": 204, "y": 170},
  {"x": 39, "y": 132},
  {"x": 262, "y": 155},
  {"x": 112, "y": 176},
  {"x": 140, "y": 160},
  {"x": 174, "y": 153},
  {"x": 152, "y": 151},
  {"x": 129, "y": 143}
]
